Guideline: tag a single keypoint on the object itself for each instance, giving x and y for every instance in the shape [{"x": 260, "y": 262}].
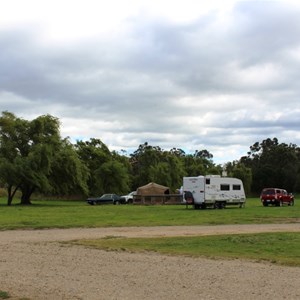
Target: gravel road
[{"x": 35, "y": 265}]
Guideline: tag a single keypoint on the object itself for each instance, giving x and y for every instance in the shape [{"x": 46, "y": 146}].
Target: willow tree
[
  {"x": 12, "y": 133},
  {"x": 107, "y": 173},
  {"x": 68, "y": 174},
  {"x": 27, "y": 149}
]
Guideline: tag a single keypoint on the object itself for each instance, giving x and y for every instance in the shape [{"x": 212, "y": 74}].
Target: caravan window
[
  {"x": 236, "y": 187},
  {"x": 207, "y": 180},
  {"x": 225, "y": 187}
]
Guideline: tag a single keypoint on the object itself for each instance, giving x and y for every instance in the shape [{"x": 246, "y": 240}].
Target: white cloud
[{"x": 215, "y": 75}]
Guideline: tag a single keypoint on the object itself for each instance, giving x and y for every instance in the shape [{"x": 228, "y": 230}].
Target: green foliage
[
  {"x": 111, "y": 177},
  {"x": 26, "y": 152},
  {"x": 69, "y": 174},
  {"x": 142, "y": 160},
  {"x": 4, "y": 295},
  {"x": 239, "y": 170},
  {"x": 200, "y": 164},
  {"x": 273, "y": 165},
  {"x": 34, "y": 158},
  {"x": 107, "y": 171},
  {"x": 153, "y": 164}
]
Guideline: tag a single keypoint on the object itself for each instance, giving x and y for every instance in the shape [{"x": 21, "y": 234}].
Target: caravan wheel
[{"x": 220, "y": 205}]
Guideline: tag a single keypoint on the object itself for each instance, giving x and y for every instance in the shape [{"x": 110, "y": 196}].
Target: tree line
[{"x": 35, "y": 158}]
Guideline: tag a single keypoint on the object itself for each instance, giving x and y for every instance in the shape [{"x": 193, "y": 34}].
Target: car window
[{"x": 269, "y": 192}]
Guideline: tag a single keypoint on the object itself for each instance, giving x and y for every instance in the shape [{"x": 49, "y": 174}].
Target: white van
[{"x": 213, "y": 191}]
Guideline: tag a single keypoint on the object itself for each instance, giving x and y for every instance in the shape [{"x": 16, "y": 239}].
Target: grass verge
[{"x": 276, "y": 248}]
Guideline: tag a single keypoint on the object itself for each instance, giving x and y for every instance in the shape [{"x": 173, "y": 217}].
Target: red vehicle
[{"x": 276, "y": 196}]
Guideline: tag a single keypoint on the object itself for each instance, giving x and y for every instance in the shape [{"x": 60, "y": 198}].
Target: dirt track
[{"x": 33, "y": 264}]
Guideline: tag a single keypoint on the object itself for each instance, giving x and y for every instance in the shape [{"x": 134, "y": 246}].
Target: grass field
[
  {"x": 67, "y": 214},
  {"x": 279, "y": 248}
]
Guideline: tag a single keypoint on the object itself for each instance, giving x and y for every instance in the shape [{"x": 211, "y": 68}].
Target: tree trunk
[
  {"x": 10, "y": 194},
  {"x": 26, "y": 194},
  {"x": 9, "y": 200}
]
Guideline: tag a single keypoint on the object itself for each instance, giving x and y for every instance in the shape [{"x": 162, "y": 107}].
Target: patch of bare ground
[{"x": 34, "y": 265}]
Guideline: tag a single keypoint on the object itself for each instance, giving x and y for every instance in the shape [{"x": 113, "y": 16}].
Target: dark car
[{"x": 106, "y": 199}]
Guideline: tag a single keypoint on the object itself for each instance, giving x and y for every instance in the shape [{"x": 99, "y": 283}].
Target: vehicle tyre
[
  {"x": 220, "y": 205},
  {"x": 280, "y": 203},
  {"x": 203, "y": 206},
  {"x": 265, "y": 203},
  {"x": 94, "y": 203},
  {"x": 292, "y": 203},
  {"x": 117, "y": 202}
]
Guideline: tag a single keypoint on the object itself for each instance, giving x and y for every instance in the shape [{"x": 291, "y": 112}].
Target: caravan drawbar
[{"x": 213, "y": 191}]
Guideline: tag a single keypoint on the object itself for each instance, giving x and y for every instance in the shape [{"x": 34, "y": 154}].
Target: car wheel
[
  {"x": 265, "y": 203},
  {"x": 292, "y": 203},
  {"x": 280, "y": 203},
  {"x": 117, "y": 202}
]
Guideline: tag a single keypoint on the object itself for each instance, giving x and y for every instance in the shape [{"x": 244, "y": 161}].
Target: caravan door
[{"x": 195, "y": 185}]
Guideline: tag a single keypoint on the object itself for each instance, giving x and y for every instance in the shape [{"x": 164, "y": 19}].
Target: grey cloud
[{"x": 233, "y": 71}]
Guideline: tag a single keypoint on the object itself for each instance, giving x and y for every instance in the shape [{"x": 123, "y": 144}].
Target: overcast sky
[{"x": 187, "y": 74}]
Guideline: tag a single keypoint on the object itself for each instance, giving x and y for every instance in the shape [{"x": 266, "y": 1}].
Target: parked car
[
  {"x": 128, "y": 198},
  {"x": 276, "y": 196},
  {"x": 106, "y": 199}
]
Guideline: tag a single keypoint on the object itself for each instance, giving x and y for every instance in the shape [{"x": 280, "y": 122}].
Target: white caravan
[{"x": 214, "y": 191}]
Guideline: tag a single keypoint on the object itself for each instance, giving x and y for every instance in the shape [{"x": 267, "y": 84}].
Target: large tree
[
  {"x": 143, "y": 160},
  {"x": 68, "y": 174},
  {"x": 238, "y": 169},
  {"x": 151, "y": 163},
  {"x": 27, "y": 149},
  {"x": 273, "y": 164},
  {"x": 107, "y": 173},
  {"x": 13, "y": 131},
  {"x": 43, "y": 142}
]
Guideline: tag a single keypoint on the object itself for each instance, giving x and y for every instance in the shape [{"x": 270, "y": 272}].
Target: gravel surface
[{"x": 35, "y": 265}]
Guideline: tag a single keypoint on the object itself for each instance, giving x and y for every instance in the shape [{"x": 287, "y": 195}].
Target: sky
[{"x": 192, "y": 74}]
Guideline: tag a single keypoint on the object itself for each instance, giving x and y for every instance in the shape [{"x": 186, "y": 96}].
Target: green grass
[
  {"x": 4, "y": 295},
  {"x": 277, "y": 248},
  {"x": 67, "y": 214}
]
